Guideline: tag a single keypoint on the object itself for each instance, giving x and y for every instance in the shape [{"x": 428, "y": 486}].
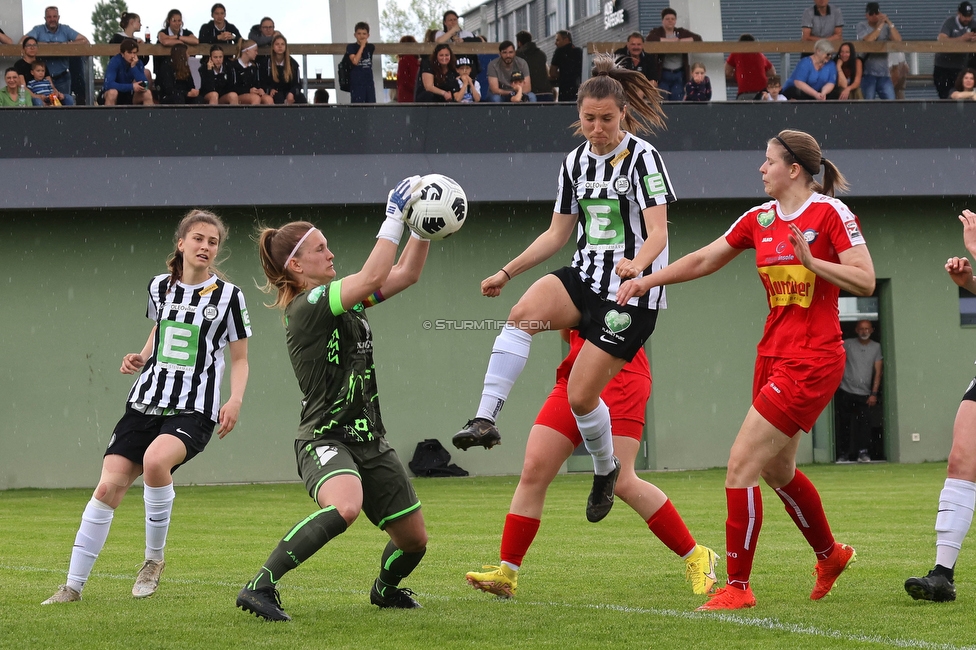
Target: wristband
[
  {"x": 391, "y": 230},
  {"x": 506, "y": 272}
]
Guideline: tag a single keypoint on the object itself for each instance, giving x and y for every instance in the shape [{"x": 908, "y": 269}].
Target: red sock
[
  {"x": 667, "y": 524},
  {"x": 805, "y": 509},
  {"x": 742, "y": 532},
  {"x": 517, "y": 537}
]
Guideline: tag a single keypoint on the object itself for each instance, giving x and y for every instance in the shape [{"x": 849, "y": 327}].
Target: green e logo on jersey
[
  {"x": 178, "y": 343},
  {"x": 655, "y": 185},
  {"x": 604, "y": 224}
]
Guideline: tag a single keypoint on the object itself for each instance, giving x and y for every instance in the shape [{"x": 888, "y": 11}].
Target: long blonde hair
[
  {"x": 274, "y": 246},
  {"x": 628, "y": 88},
  {"x": 286, "y": 61},
  {"x": 801, "y": 148}
]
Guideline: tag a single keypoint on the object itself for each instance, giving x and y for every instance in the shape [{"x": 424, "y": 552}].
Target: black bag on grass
[{"x": 431, "y": 459}]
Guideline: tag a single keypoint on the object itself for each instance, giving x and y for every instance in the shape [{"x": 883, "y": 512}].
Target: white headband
[{"x": 299, "y": 245}]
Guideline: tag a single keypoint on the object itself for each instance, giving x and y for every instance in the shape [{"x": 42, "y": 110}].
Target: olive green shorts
[{"x": 388, "y": 493}]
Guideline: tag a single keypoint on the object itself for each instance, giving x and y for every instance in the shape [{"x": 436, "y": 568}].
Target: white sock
[
  {"x": 95, "y": 524},
  {"x": 159, "y": 506},
  {"x": 597, "y": 438},
  {"x": 513, "y": 567},
  {"x": 508, "y": 357},
  {"x": 955, "y": 515}
]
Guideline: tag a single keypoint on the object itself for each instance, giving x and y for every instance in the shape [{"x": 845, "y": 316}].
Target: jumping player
[
  {"x": 553, "y": 439},
  {"x": 808, "y": 246},
  {"x": 613, "y": 190},
  {"x": 958, "y": 497},
  {"x": 174, "y": 405},
  {"x": 343, "y": 456}
]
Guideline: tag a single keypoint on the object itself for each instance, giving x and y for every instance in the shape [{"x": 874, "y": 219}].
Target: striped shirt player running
[
  {"x": 343, "y": 457},
  {"x": 808, "y": 247},
  {"x": 614, "y": 192},
  {"x": 174, "y": 405}
]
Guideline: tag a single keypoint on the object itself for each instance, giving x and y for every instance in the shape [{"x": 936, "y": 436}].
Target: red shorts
[
  {"x": 792, "y": 393},
  {"x": 625, "y": 396}
]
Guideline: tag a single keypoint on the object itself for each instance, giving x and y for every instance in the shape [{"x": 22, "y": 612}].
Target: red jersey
[
  {"x": 638, "y": 365},
  {"x": 751, "y": 69},
  {"x": 803, "y": 319}
]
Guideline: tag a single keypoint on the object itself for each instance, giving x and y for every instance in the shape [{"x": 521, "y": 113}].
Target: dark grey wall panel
[{"x": 340, "y": 155}]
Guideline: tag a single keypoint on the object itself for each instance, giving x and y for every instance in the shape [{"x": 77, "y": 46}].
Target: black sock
[
  {"x": 396, "y": 565},
  {"x": 947, "y": 572},
  {"x": 301, "y": 542}
]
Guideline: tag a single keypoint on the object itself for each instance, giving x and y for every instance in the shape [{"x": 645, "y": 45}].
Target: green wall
[{"x": 73, "y": 287}]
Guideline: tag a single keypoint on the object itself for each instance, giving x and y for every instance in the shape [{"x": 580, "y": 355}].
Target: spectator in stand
[
  {"x": 263, "y": 32},
  {"x": 965, "y": 85},
  {"x": 773, "y": 87},
  {"x": 750, "y": 70},
  {"x": 899, "y": 71},
  {"x": 958, "y": 29},
  {"x": 633, "y": 57},
  {"x": 52, "y": 31},
  {"x": 452, "y": 32},
  {"x": 876, "y": 80},
  {"x": 24, "y": 64},
  {"x": 4, "y": 39},
  {"x": 408, "y": 67},
  {"x": 42, "y": 91},
  {"x": 470, "y": 88},
  {"x": 536, "y": 58},
  {"x": 281, "y": 74},
  {"x": 172, "y": 34},
  {"x": 217, "y": 80},
  {"x": 363, "y": 90},
  {"x": 10, "y": 95},
  {"x": 125, "y": 78},
  {"x": 674, "y": 70},
  {"x": 218, "y": 30},
  {"x": 175, "y": 82},
  {"x": 566, "y": 67},
  {"x": 321, "y": 96},
  {"x": 500, "y": 74},
  {"x": 248, "y": 82},
  {"x": 849, "y": 74},
  {"x": 699, "y": 89},
  {"x": 439, "y": 77},
  {"x": 822, "y": 21},
  {"x": 815, "y": 76},
  {"x": 131, "y": 27}
]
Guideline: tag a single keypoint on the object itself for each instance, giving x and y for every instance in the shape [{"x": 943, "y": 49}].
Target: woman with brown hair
[
  {"x": 175, "y": 82},
  {"x": 613, "y": 194},
  {"x": 808, "y": 247},
  {"x": 439, "y": 77}
]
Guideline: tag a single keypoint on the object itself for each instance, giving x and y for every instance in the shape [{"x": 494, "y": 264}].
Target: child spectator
[
  {"x": 773, "y": 87},
  {"x": 125, "y": 79},
  {"x": 217, "y": 80},
  {"x": 360, "y": 53},
  {"x": 408, "y": 68},
  {"x": 699, "y": 89},
  {"x": 40, "y": 86},
  {"x": 281, "y": 74},
  {"x": 250, "y": 86},
  {"x": 470, "y": 88}
]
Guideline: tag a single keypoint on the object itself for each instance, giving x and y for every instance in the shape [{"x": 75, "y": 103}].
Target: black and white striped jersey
[
  {"x": 193, "y": 326},
  {"x": 608, "y": 194}
]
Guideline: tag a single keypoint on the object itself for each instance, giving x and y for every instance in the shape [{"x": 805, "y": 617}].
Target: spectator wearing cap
[
  {"x": 501, "y": 73},
  {"x": 470, "y": 88},
  {"x": 750, "y": 70},
  {"x": 822, "y": 21},
  {"x": 948, "y": 65},
  {"x": 566, "y": 66},
  {"x": 633, "y": 57},
  {"x": 536, "y": 59},
  {"x": 876, "y": 78}
]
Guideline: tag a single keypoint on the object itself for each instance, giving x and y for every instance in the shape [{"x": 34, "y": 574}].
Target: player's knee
[
  {"x": 778, "y": 473},
  {"x": 110, "y": 492},
  {"x": 349, "y": 512}
]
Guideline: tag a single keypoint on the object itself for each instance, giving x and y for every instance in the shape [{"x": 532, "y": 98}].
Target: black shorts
[
  {"x": 618, "y": 330},
  {"x": 388, "y": 493},
  {"x": 136, "y": 431}
]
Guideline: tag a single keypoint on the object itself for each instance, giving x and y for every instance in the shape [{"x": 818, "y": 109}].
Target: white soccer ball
[{"x": 441, "y": 209}]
